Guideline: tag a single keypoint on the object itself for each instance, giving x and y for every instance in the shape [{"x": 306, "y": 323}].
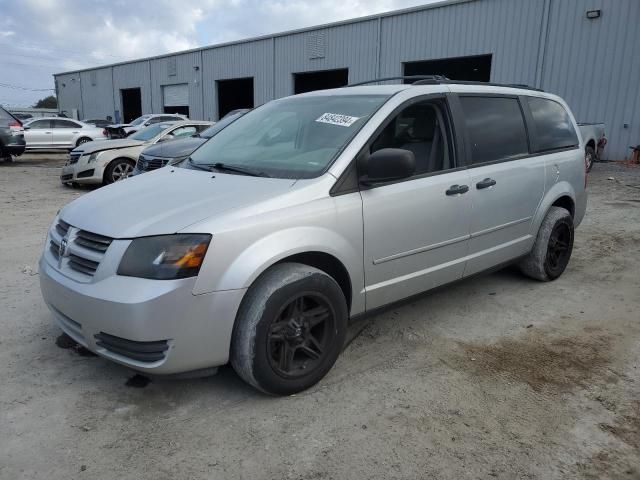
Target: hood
[
  {"x": 100, "y": 145},
  {"x": 166, "y": 201},
  {"x": 175, "y": 148}
]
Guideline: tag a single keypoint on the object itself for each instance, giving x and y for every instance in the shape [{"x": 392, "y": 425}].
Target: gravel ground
[{"x": 495, "y": 377}]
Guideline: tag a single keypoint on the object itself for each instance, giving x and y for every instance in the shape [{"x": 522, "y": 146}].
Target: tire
[
  {"x": 118, "y": 169},
  {"x": 553, "y": 246},
  {"x": 589, "y": 157},
  {"x": 82, "y": 140},
  {"x": 275, "y": 345}
]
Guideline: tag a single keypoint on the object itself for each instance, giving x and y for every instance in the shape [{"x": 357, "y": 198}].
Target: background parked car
[
  {"x": 122, "y": 130},
  {"x": 98, "y": 122},
  {"x": 55, "y": 132},
  {"x": 23, "y": 117},
  {"x": 157, "y": 156},
  {"x": 109, "y": 161},
  {"x": 11, "y": 135}
]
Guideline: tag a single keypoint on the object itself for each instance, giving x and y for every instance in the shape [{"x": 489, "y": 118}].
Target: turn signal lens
[{"x": 165, "y": 257}]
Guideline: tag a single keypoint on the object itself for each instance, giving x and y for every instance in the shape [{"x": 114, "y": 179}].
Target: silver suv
[{"x": 309, "y": 212}]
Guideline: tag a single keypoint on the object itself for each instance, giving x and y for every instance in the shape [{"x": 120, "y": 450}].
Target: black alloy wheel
[
  {"x": 299, "y": 336},
  {"x": 559, "y": 249}
]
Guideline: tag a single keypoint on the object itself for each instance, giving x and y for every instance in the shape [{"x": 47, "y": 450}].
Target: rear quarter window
[
  {"x": 495, "y": 127},
  {"x": 552, "y": 125}
]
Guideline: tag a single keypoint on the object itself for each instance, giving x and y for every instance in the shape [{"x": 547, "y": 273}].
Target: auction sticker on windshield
[{"x": 337, "y": 119}]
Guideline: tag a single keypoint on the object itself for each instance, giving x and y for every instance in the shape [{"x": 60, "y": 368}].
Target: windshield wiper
[
  {"x": 206, "y": 168},
  {"x": 235, "y": 168}
]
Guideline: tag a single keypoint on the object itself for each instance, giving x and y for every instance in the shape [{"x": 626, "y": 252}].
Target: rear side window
[
  {"x": 496, "y": 128},
  {"x": 552, "y": 124},
  {"x": 4, "y": 115},
  {"x": 64, "y": 124}
]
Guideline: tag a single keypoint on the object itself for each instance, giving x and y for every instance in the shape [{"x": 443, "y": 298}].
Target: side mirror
[{"x": 387, "y": 165}]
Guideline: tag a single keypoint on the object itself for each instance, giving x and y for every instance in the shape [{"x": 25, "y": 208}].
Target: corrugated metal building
[{"x": 584, "y": 50}]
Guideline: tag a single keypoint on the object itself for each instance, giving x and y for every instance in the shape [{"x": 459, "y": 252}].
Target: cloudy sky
[{"x": 42, "y": 37}]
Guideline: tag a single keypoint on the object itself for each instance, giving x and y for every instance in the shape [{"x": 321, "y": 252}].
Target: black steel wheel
[{"x": 289, "y": 330}]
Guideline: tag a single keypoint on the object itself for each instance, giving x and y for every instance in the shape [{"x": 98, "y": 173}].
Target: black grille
[
  {"x": 83, "y": 265},
  {"x": 140, "y": 351},
  {"x": 147, "y": 164},
  {"x": 62, "y": 228},
  {"x": 93, "y": 241},
  {"x": 54, "y": 248}
]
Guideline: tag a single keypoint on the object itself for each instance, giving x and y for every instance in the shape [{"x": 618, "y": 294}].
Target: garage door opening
[
  {"x": 234, "y": 94},
  {"x": 131, "y": 104},
  {"x": 176, "y": 99},
  {"x": 310, "y": 81},
  {"x": 476, "y": 68}
]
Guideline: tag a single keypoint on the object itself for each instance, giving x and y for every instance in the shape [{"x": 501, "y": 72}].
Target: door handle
[
  {"x": 457, "y": 189},
  {"x": 48, "y": 133},
  {"x": 486, "y": 183}
]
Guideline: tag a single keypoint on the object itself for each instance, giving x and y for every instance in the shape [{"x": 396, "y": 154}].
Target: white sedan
[
  {"x": 109, "y": 161},
  {"x": 56, "y": 132}
]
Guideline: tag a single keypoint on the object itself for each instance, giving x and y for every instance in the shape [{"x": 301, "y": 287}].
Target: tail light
[
  {"x": 15, "y": 124},
  {"x": 105, "y": 133}
]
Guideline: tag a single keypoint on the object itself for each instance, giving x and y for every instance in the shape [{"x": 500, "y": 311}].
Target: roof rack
[
  {"x": 419, "y": 79},
  {"x": 442, "y": 80}
]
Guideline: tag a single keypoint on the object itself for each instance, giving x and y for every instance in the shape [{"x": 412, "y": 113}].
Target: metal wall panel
[
  {"x": 507, "y": 29},
  {"x": 185, "y": 72},
  {"x": 595, "y": 66},
  {"x": 251, "y": 59},
  {"x": 352, "y": 46},
  {"x": 133, "y": 75},
  {"x": 69, "y": 93},
  {"x": 97, "y": 100}
]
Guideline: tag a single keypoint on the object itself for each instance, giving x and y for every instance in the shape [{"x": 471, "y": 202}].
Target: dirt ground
[{"x": 495, "y": 377}]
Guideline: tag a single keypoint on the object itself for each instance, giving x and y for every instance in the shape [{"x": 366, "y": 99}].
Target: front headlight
[{"x": 165, "y": 257}]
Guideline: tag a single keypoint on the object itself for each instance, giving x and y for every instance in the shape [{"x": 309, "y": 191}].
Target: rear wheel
[
  {"x": 82, "y": 140},
  {"x": 553, "y": 246},
  {"x": 289, "y": 330},
  {"x": 589, "y": 157},
  {"x": 118, "y": 169}
]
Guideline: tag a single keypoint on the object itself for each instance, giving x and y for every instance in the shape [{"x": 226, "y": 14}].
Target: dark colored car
[
  {"x": 169, "y": 153},
  {"x": 11, "y": 135}
]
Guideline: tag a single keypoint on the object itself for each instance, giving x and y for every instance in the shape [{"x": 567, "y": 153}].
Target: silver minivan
[{"x": 309, "y": 212}]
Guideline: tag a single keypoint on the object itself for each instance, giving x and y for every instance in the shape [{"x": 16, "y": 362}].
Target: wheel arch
[{"x": 562, "y": 195}]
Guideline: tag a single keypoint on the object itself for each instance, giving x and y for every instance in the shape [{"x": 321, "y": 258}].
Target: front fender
[{"x": 253, "y": 260}]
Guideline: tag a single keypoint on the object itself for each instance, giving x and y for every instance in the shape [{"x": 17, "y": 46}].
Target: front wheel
[
  {"x": 553, "y": 246},
  {"x": 290, "y": 329},
  {"x": 118, "y": 169}
]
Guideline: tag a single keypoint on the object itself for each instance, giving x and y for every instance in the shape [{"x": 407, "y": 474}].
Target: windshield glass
[
  {"x": 211, "y": 131},
  {"x": 148, "y": 133},
  {"x": 296, "y": 137},
  {"x": 139, "y": 120}
]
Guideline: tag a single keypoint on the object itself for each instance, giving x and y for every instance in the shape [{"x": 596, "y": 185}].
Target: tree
[{"x": 47, "y": 102}]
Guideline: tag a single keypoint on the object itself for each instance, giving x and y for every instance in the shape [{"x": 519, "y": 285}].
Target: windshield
[
  {"x": 296, "y": 137},
  {"x": 148, "y": 133},
  {"x": 229, "y": 119},
  {"x": 139, "y": 120}
]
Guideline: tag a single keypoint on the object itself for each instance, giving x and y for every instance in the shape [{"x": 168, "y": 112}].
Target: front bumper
[
  {"x": 82, "y": 171},
  {"x": 196, "y": 329}
]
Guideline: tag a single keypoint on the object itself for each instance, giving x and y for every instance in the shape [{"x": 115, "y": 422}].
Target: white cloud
[{"x": 59, "y": 35}]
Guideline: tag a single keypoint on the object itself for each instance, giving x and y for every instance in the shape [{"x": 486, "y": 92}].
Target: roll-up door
[{"x": 176, "y": 95}]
